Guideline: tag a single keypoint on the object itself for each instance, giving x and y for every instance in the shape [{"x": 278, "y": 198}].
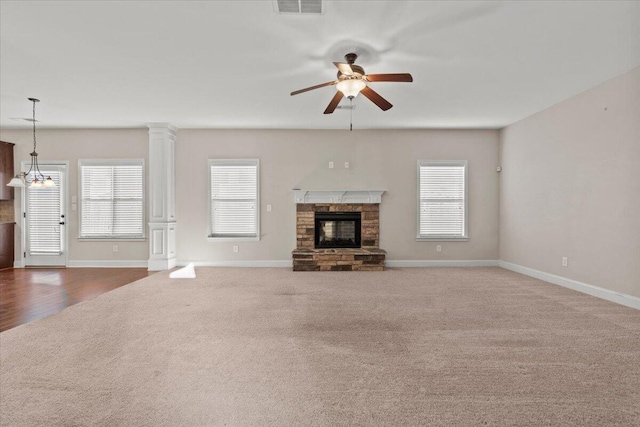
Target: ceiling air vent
[{"x": 298, "y": 6}]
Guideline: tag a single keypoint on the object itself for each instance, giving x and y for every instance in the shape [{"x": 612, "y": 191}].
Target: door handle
[{"x": 62, "y": 223}]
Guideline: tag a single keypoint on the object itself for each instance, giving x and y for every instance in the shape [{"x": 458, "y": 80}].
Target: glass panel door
[{"x": 45, "y": 220}]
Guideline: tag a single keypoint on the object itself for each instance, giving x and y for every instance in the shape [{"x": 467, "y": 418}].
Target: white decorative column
[{"x": 162, "y": 199}]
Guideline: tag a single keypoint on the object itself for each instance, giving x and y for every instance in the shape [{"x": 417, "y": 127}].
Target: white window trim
[
  {"x": 463, "y": 238},
  {"x": 251, "y": 162},
  {"x": 112, "y": 162}
]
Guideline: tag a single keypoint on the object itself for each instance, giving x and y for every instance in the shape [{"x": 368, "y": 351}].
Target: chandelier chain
[{"x": 34, "y": 126}]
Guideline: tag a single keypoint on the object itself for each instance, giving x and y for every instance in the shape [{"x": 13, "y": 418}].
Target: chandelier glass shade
[
  {"x": 38, "y": 181},
  {"x": 351, "y": 87}
]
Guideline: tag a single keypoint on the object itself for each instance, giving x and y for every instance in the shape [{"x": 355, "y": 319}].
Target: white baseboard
[
  {"x": 161, "y": 264},
  {"x": 108, "y": 264},
  {"x": 247, "y": 263},
  {"x": 97, "y": 264},
  {"x": 596, "y": 291},
  {"x": 389, "y": 263},
  {"x": 443, "y": 263}
]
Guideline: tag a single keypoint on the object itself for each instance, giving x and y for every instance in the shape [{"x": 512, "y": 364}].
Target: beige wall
[
  {"x": 71, "y": 145},
  {"x": 570, "y": 187},
  {"x": 379, "y": 160}
]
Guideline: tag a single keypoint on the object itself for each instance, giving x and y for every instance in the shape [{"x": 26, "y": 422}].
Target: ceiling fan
[{"x": 353, "y": 80}]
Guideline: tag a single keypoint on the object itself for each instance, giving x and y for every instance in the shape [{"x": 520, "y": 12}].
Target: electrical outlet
[
  {"x": 346, "y": 165},
  {"x": 268, "y": 208},
  {"x": 565, "y": 261},
  {"x": 330, "y": 165},
  {"x": 115, "y": 248},
  {"x": 438, "y": 248},
  {"x": 236, "y": 248}
]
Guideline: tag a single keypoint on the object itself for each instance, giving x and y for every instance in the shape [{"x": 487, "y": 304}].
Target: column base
[
  {"x": 161, "y": 264},
  {"x": 162, "y": 245}
]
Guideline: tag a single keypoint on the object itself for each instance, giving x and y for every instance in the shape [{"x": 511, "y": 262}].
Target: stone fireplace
[{"x": 338, "y": 231}]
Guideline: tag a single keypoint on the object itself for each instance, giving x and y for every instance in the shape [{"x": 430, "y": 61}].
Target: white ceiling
[{"x": 232, "y": 64}]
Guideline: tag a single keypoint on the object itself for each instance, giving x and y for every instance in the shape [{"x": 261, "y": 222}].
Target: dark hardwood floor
[{"x": 27, "y": 294}]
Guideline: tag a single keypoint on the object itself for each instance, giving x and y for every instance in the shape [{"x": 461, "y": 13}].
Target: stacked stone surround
[
  {"x": 338, "y": 259},
  {"x": 368, "y": 258}
]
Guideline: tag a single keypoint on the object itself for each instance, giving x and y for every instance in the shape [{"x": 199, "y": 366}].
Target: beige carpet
[{"x": 436, "y": 346}]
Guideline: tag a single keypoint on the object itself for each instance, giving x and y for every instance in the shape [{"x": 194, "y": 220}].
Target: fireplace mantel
[{"x": 338, "y": 196}]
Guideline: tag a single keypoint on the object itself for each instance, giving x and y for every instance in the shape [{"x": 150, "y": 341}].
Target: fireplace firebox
[{"x": 337, "y": 229}]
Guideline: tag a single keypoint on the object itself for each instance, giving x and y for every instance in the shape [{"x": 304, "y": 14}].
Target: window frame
[
  {"x": 112, "y": 162},
  {"x": 465, "y": 236},
  {"x": 237, "y": 162}
]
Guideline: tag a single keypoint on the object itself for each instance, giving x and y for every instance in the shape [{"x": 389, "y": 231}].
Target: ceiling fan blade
[
  {"x": 334, "y": 102},
  {"x": 398, "y": 77},
  {"x": 314, "y": 87},
  {"x": 344, "y": 68},
  {"x": 376, "y": 98}
]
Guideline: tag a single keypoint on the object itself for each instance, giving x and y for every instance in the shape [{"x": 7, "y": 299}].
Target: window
[
  {"x": 442, "y": 200},
  {"x": 112, "y": 199},
  {"x": 234, "y": 199}
]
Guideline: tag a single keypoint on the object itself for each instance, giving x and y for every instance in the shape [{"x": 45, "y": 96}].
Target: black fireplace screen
[{"x": 337, "y": 229}]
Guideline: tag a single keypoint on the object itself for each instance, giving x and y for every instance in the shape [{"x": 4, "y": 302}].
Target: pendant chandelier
[{"x": 39, "y": 181}]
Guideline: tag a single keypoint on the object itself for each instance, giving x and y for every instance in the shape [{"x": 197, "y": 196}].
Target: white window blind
[
  {"x": 112, "y": 197},
  {"x": 442, "y": 205},
  {"x": 43, "y": 216},
  {"x": 234, "y": 198}
]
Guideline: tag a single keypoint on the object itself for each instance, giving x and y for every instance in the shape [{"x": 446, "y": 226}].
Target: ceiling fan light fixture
[
  {"x": 351, "y": 87},
  {"x": 352, "y": 80}
]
